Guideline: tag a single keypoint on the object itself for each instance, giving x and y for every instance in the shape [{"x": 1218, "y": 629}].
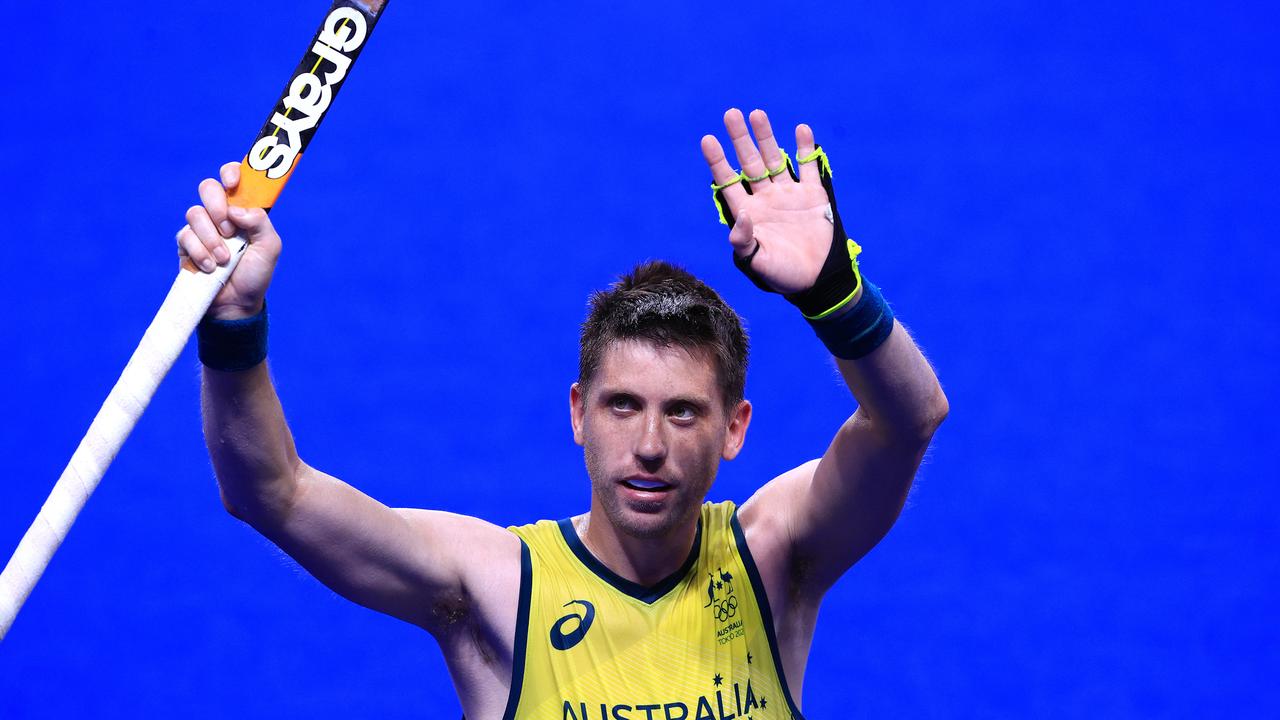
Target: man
[{"x": 652, "y": 604}]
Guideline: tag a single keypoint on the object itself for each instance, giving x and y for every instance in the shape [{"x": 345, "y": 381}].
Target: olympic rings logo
[{"x": 726, "y": 608}]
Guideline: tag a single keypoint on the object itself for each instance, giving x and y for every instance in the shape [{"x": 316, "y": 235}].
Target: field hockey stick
[{"x": 263, "y": 174}]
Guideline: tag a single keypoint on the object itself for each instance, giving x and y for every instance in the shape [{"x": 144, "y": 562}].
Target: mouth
[{"x": 644, "y": 484}]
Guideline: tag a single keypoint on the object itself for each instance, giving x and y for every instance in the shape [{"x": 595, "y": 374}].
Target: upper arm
[
  {"x": 825, "y": 515},
  {"x": 422, "y": 566}
]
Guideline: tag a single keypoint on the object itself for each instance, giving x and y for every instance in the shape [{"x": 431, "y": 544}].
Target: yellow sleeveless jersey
[{"x": 591, "y": 645}]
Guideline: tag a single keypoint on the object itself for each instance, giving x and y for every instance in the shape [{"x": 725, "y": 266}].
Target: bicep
[
  {"x": 403, "y": 562},
  {"x": 856, "y": 493},
  {"x": 833, "y": 510}
]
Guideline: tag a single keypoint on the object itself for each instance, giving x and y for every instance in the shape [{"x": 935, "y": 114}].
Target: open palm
[{"x": 785, "y": 223}]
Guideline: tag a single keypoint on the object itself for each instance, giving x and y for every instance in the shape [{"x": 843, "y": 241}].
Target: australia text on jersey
[{"x": 742, "y": 703}]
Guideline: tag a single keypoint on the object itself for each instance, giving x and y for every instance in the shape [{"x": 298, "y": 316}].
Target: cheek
[
  {"x": 591, "y": 458},
  {"x": 702, "y": 455},
  {"x": 605, "y": 438},
  {"x": 598, "y": 457}
]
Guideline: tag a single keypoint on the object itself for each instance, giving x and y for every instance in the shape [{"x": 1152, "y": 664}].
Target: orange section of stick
[{"x": 256, "y": 190}]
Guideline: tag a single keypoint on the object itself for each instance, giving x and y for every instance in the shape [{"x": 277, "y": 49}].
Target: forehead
[{"x": 643, "y": 368}]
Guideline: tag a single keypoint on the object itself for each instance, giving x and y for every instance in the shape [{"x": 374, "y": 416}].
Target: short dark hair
[{"x": 666, "y": 305}]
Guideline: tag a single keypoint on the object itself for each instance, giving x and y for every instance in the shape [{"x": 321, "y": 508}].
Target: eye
[
  {"x": 684, "y": 412},
  {"x": 622, "y": 403}
]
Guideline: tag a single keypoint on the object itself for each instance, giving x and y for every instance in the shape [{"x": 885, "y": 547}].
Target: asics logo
[{"x": 561, "y": 640}]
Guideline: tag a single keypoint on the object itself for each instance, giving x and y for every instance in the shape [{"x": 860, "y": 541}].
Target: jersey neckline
[{"x": 647, "y": 595}]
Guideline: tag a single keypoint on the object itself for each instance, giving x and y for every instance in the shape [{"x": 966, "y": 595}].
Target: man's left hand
[{"x": 785, "y": 223}]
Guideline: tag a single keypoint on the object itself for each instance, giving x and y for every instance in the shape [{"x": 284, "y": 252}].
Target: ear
[
  {"x": 739, "y": 419},
  {"x": 577, "y": 411}
]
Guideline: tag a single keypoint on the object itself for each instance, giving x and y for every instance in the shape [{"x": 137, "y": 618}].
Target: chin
[
  {"x": 641, "y": 522},
  {"x": 644, "y": 525}
]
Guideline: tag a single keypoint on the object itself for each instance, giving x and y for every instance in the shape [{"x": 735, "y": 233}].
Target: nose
[{"x": 651, "y": 445}]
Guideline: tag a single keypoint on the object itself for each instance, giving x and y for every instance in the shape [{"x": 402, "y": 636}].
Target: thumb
[
  {"x": 253, "y": 222},
  {"x": 741, "y": 236}
]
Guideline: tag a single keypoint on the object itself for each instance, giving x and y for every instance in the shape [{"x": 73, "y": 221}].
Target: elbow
[
  {"x": 914, "y": 431},
  {"x": 229, "y": 506},
  {"x": 258, "y": 502},
  {"x": 935, "y": 412},
  {"x": 235, "y": 507},
  {"x": 939, "y": 408}
]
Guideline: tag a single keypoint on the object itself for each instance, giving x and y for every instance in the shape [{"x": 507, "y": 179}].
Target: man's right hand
[{"x": 201, "y": 246}]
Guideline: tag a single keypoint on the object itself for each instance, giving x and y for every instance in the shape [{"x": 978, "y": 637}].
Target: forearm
[
  {"x": 250, "y": 444},
  {"x": 896, "y": 389}
]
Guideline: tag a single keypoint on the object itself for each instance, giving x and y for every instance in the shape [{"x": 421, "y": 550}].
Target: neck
[{"x": 645, "y": 561}]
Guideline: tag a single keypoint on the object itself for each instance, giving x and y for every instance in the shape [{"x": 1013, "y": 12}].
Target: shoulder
[
  {"x": 765, "y": 530},
  {"x": 483, "y": 559},
  {"x": 534, "y": 529},
  {"x": 538, "y": 538},
  {"x": 763, "y": 515},
  {"x": 719, "y": 514},
  {"x": 717, "y": 529}
]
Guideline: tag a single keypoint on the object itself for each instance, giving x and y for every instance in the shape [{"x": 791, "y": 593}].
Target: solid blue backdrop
[{"x": 1071, "y": 205}]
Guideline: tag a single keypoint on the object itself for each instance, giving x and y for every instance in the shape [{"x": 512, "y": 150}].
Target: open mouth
[{"x": 644, "y": 485}]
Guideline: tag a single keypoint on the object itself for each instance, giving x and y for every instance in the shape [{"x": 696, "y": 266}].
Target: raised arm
[
  {"x": 820, "y": 518},
  {"x": 406, "y": 563}
]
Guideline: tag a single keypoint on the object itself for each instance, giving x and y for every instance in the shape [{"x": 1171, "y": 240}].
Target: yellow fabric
[
  {"x": 786, "y": 163},
  {"x": 821, "y": 156},
  {"x": 715, "y": 196},
  {"x": 699, "y": 651}
]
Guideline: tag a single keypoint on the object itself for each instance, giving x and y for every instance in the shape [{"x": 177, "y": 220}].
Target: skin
[
  {"x": 655, "y": 413},
  {"x": 651, "y": 413}
]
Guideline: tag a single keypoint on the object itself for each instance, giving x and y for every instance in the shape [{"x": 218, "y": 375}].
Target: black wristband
[{"x": 233, "y": 345}]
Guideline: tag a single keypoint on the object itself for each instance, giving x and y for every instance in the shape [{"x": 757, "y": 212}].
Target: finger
[
  {"x": 189, "y": 246},
  {"x": 769, "y": 149},
  {"x": 722, "y": 173},
  {"x": 741, "y": 236},
  {"x": 255, "y": 224},
  {"x": 215, "y": 203},
  {"x": 748, "y": 156},
  {"x": 202, "y": 225},
  {"x": 804, "y": 147},
  {"x": 230, "y": 174}
]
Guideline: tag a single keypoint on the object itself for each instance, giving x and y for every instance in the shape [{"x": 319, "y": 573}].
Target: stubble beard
[{"x": 632, "y": 522}]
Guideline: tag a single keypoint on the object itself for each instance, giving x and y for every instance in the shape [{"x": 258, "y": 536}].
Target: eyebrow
[
  {"x": 702, "y": 403},
  {"x": 698, "y": 402}
]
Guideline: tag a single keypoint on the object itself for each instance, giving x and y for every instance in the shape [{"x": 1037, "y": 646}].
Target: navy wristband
[
  {"x": 857, "y": 332},
  {"x": 233, "y": 345}
]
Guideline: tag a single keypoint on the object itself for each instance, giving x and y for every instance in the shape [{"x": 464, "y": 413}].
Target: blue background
[{"x": 1072, "y": 205}]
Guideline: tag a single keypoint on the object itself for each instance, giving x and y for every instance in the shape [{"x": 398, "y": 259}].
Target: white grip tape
[{"x": 188, "y": 300}]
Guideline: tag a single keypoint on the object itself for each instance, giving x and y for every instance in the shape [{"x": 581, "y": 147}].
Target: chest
[{"x": 699, "y": 650}]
